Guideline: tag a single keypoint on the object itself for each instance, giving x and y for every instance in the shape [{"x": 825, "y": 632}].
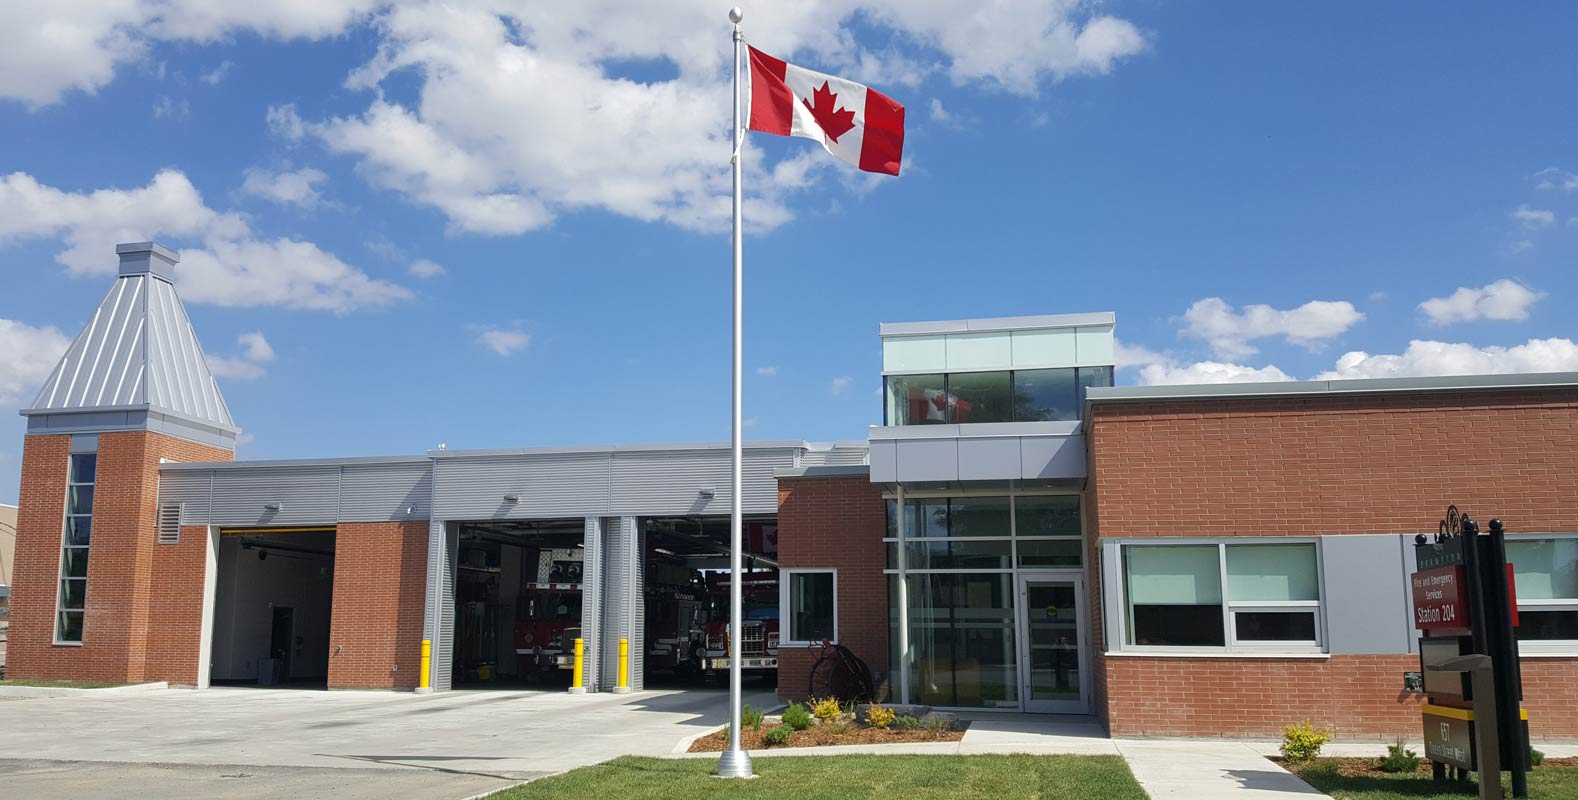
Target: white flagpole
[{"x": 735, "y": 762}]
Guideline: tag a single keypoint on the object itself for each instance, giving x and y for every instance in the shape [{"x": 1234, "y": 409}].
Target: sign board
[
  {"x": 1440, "y": 554},
  {"x": 1450, "y": 739},
  {"x": 1440, "y": 599},
  {"x": 1450, "y": 686}
]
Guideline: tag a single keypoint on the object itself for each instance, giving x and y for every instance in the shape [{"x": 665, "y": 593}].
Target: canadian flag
[{"x": 860, "y": 125}]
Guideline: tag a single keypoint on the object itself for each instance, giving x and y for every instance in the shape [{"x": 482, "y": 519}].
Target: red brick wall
[
  {"x": 836, "y": 522},
  {"x": 1322, "y": 465},
  {"x": 175, "y": 638},
  {"x": 380, "y": 578},
  {"x": 121, "y": 560}
]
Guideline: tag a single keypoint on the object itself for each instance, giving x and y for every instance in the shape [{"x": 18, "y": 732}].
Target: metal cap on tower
[{"x": 148, "y": 258}]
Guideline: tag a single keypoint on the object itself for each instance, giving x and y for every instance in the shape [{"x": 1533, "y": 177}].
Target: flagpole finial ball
[{"x": 736, "y": 15}]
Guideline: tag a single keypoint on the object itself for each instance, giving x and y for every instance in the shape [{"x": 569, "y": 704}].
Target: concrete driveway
[{"x": 243, "y": 743}]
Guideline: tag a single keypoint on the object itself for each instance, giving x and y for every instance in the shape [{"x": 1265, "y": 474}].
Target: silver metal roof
[
  {"x": 997, "y": 324},
  {"x": 1219, "y": 391},
  {"x": 137, "y": 352}
]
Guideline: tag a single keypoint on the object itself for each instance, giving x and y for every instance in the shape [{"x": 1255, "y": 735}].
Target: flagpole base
[{"x": 735, "y": 764}]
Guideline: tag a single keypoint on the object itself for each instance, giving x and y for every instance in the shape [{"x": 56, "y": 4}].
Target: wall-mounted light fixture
[
  {"x": 707, "y": 492},
  {"x": 273, "y": 507},
  {"x": 512, "y": 498}
]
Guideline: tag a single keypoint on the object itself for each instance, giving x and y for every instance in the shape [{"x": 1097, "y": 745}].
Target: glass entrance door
[{"x": 1053, "y": 675}]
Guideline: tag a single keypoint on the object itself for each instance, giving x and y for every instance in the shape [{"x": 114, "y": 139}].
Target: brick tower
[{"x": 132, "y": 390}]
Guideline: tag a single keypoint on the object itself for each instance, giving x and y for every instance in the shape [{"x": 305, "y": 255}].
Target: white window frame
[
  {"x": 1545, "y": 647},
  {"x": 1229, "y": 607},
  {"x": 786, "y": 614}
]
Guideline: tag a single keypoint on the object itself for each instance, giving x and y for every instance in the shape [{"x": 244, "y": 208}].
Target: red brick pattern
[
  {"x": 836, "y": 522},
  {"x": 175, "y": 640},
  {"x": 380, "y": 582},
  {"x": 1320, "y": 465},
  {"x": 121, "y": 587}
]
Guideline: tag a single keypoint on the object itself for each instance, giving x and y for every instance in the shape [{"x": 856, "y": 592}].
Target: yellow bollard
[
  {"x": 624, "y": 667},
  {"x": 424, "y": 678},
  {"x": 577, "y": 674}
]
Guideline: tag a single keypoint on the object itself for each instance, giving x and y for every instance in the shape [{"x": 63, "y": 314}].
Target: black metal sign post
[{"x": 1463, "y": 603}]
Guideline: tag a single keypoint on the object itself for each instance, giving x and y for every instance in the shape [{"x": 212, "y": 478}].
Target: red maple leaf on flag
[{"x": 833, "y": 121}]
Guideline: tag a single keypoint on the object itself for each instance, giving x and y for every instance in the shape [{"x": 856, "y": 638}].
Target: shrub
[
  {"x": 827, "y": 709},
  {"x": 936, "y": 723},
  {"x": 1399, "y": 758},
  {"x": 837, "y": 727},
  {"x": 751, "y": 718},
  {"x": 1535, "y": 757},
  {"x": 879, "y": 717},
  {"x": 796, "y": 717},
  {"x": 905, "y": 722},
  {"x": 1303, "y": 741},
  {"x": 778, "y": 735}
]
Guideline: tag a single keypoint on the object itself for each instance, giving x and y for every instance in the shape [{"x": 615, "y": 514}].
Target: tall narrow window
[{"x": 74, "y": 548}]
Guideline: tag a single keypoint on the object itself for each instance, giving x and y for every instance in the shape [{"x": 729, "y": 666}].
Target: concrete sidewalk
[{"x": 1195, "y": 770}]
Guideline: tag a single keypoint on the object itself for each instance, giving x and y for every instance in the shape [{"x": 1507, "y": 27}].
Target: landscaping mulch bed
[
  {"x": 1360, "y": 767},
  {"x": 819, "y": 736}
]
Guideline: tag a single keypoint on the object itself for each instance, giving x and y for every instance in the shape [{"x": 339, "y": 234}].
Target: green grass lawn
[
  {"x": 1545, "y": 783},
  {"x": 903, "y": 777},
  {"x": 60, "y": 684}
]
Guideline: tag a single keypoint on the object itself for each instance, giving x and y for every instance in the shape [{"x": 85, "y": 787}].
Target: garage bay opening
[
  {"x": 518, "y": 598},
  {"x": 272, "y": 604}
]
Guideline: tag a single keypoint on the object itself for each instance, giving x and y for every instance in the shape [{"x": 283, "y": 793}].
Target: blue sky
[{"x": 1259, "y": 191}]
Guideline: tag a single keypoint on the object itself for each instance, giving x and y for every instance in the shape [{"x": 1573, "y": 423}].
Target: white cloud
[
  {"x": 1209, "y": 372},
  {"x": 767, "y": 371},
  {"x": 243, "y": 439},
  {"x": 1230, "y": 332},
  {"x": 169, "y": 108},
  {"x": 232, "y": 267},
  {"x": 293, "y": 188},
  {"x": 1531, "y": 218},
  {"x": 423, "y": 268},
  {"x": 1505, "y": 299},
  {"x": 27, "y": 355},
  {"x": 255, "y": 352},
  {"x": 284, "y": 122},
  {"x": 750, "y": 422},
  {"x": 1423, "y": 358},
  {"x": 53, "y": 48},
  {"x": 217, "y": 75},
  {"x": 1555, "y": 178},
  {"x": 1126, "y": 355},
  {"x": 839, "y": 385},
  {"x": 503, "y": 342}
]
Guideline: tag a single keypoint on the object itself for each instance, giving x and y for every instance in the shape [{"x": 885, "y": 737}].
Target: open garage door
[{"x": 273, "y": 602}]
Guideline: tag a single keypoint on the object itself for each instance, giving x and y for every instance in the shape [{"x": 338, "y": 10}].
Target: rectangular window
[
  {"x": 962, "y": 638},
  {"x": 917, "y": 399},
  {"x": 974, "y": 532},
  {"x": 1545, "y": 572},
  {"x": 811, "y": 604},
  {"x": 1045, "y": 394},
  {"x": 1248, "y": 596},
  {"x": 1030, "y": 395},
  {"x": 77, "y": 534},
  {"x": 980, "y": 397}
]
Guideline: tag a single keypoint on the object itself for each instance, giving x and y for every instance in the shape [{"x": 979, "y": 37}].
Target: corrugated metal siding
[
  {"x": 569, "y": 485},
  {"x": 591, "y": 601},
  {"x": 638, "y": 602},
  {"x": 381, "y": 492},
  {"x": 189, "y": 488},
  {"x": 761, "y": 488},
  {"x": 307, "y": 495},
  {"x": 836, "y": 457},
  {"x": 443, "y": 644},
  {"x": 618, "y": 609},
  {"x": 670, "y": 482}
]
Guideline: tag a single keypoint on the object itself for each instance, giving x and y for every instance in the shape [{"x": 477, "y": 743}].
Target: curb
[{"x": 66, "y": 691}]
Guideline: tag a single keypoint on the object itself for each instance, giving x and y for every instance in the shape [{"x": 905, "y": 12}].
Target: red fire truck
[
  {"x": 758, "y": 648},
  {"x": 548, "y": 613}
]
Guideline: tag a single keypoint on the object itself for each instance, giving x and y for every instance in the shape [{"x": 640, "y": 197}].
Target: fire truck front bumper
[
  {"x": 549, "y": 659},
  {"x": 751, "y": 662}
]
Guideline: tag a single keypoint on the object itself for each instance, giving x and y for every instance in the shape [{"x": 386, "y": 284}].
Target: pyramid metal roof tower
[{"x": 137, "y": 365}]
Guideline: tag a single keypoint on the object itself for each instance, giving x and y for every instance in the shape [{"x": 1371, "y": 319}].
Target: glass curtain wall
[
  {"x": 1026, "y": 395},
  {"x": 963, "y": 555}
]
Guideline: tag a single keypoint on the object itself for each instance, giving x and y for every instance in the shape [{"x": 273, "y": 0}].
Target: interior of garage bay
[{"x": 273, "y": 600}]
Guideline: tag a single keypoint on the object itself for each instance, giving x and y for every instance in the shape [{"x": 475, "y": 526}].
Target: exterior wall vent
[{"x": 170, "y": 523}]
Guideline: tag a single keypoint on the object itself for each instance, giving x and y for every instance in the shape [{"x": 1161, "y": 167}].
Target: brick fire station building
[{"x": 1017, "y": 534}]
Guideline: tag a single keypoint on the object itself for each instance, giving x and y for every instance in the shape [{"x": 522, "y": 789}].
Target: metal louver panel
[
  {"x": 444, "y": 633},
  {"x": 591, "y": 600},
  {"x": 619, "y": 604},
  {"x": 638, "y": 595},
  {"x": 169, "y": 523}
]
